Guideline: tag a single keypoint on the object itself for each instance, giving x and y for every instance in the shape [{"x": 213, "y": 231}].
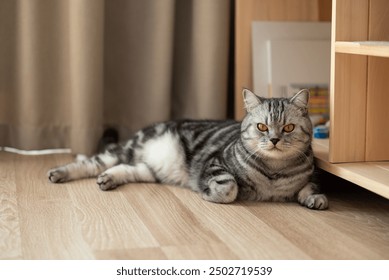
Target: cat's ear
[
  {"x": 250, "y": 100},
  {"x": 301, "y": 98}
]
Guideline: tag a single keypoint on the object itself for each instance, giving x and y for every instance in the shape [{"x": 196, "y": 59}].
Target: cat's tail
[{"x": 110, "y": 136}]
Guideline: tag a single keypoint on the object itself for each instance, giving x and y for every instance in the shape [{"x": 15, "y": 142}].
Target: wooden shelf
[
  {"x": 372, "y": 48},
  {"x": 373, "y": 176}
]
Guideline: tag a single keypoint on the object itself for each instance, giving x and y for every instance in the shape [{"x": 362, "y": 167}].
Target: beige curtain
[{"x": 69, "y": 68}]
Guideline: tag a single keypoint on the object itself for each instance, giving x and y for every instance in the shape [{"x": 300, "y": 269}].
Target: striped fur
[{"x": 222, "y": 160}]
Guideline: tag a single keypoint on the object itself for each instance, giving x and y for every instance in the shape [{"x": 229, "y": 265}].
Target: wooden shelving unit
[
  {"x": 359, "y": 81},
  {"x": 358, "y": 148}
]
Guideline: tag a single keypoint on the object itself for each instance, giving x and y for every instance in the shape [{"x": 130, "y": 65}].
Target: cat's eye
[
  {"x": 262, "y": 127},
  {"x": 288, "y": 128}
]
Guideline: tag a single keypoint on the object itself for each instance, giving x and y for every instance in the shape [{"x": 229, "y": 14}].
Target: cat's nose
[{"x": 274, "y": 140}]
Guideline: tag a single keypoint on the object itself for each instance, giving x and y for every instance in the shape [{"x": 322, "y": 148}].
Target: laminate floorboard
[{"x": 75, "y": 220}]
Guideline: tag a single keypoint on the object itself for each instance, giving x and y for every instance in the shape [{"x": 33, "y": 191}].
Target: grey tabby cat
[{"x": 266, "y": 157}]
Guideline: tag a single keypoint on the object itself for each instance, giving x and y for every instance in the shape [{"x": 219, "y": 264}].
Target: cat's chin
[
  {"x": 277, "y": 153},
  {"x": 273, "y": 153}
]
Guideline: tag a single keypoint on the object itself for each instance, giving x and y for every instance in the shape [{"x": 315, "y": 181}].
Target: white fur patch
[
  {"x": 166, "y": 157},
  {"x": 108, "y": 159},
  {"x": 81, "y": 157}
]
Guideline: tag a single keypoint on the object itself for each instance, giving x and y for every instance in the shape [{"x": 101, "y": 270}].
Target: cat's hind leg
[
  {"x": 124, "y": 173},
  {"x": 87, "y": 168},
  {"x": 218, "y": 185}
]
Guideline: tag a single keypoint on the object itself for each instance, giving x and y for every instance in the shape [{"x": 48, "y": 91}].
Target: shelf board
[
  {"x": 373, "y": 48},
  {"x": 373, "y": 176}
]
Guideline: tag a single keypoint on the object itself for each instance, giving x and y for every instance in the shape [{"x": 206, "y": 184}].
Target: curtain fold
[
  {"x": 201, "y": 59},
  {"x": 138, "y": 63},
  {"x": 86, "y": 31},
  {"x": 69, "y": 68}
]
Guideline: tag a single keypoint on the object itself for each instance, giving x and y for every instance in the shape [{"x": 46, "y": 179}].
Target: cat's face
[{"x": 277, "y": 128}]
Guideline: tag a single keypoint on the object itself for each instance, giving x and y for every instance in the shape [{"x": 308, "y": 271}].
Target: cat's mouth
[
  {"x": 275, "y": 148},
  {"x": 274, "y": 152},
  {"x": 272, "y": 149}
]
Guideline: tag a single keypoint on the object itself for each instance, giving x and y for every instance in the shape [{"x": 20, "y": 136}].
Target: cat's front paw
[
  {"x": 317, "y": 202},
  {"x": 58, "y": 175},
  {"x": 221, "y": 192},
  {"x": 106, "y": 182}
]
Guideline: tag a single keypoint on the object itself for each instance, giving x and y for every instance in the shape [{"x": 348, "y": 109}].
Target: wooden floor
[{"x": 40, "y": 220}]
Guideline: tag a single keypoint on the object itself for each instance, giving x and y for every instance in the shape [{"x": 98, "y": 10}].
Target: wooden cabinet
[
  {"x": 360, "y": 81},
  {"x": 358, "y": 148}
]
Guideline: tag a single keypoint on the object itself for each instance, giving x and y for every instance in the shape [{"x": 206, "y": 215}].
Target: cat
[{"x": 266, "y": 157}]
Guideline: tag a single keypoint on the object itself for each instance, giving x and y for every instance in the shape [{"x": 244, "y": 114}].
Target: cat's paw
[
  {"x": 317, "y": 202},
  {"x": 221, "y": 193},
  {"x": 106, "y": 182},
  {"x": 58, "y": 175}
]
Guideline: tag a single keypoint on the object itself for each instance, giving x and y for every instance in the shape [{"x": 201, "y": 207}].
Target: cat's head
[{"x": 277, "y": 128}]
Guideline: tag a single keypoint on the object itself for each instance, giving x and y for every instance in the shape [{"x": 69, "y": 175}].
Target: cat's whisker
[{"x": 255, "y": 152}]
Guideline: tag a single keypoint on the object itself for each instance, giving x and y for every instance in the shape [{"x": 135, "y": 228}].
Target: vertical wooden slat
[
  {"x": 348, "y": 83},
  {"x": 325, "y": 8},
  {"x": 352, "y": 17},
  {"x": 379, "y": 20},
  {"x": 377, "y": 134},
  {"x": 348, "y": 109}
]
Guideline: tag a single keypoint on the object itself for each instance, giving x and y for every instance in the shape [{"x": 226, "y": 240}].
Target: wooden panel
[
  {"x": 348, "y": 109},
  {"x": 352, "y": 20},
  {"x": 325, "y": 9},
  {"x": 379, "y": 20},
  {"x": 348, "y": 83},
  {"x": 265, "y": 10},
  {"x": 377, "y": 136},
  {"x": 377, "y": 132}
]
